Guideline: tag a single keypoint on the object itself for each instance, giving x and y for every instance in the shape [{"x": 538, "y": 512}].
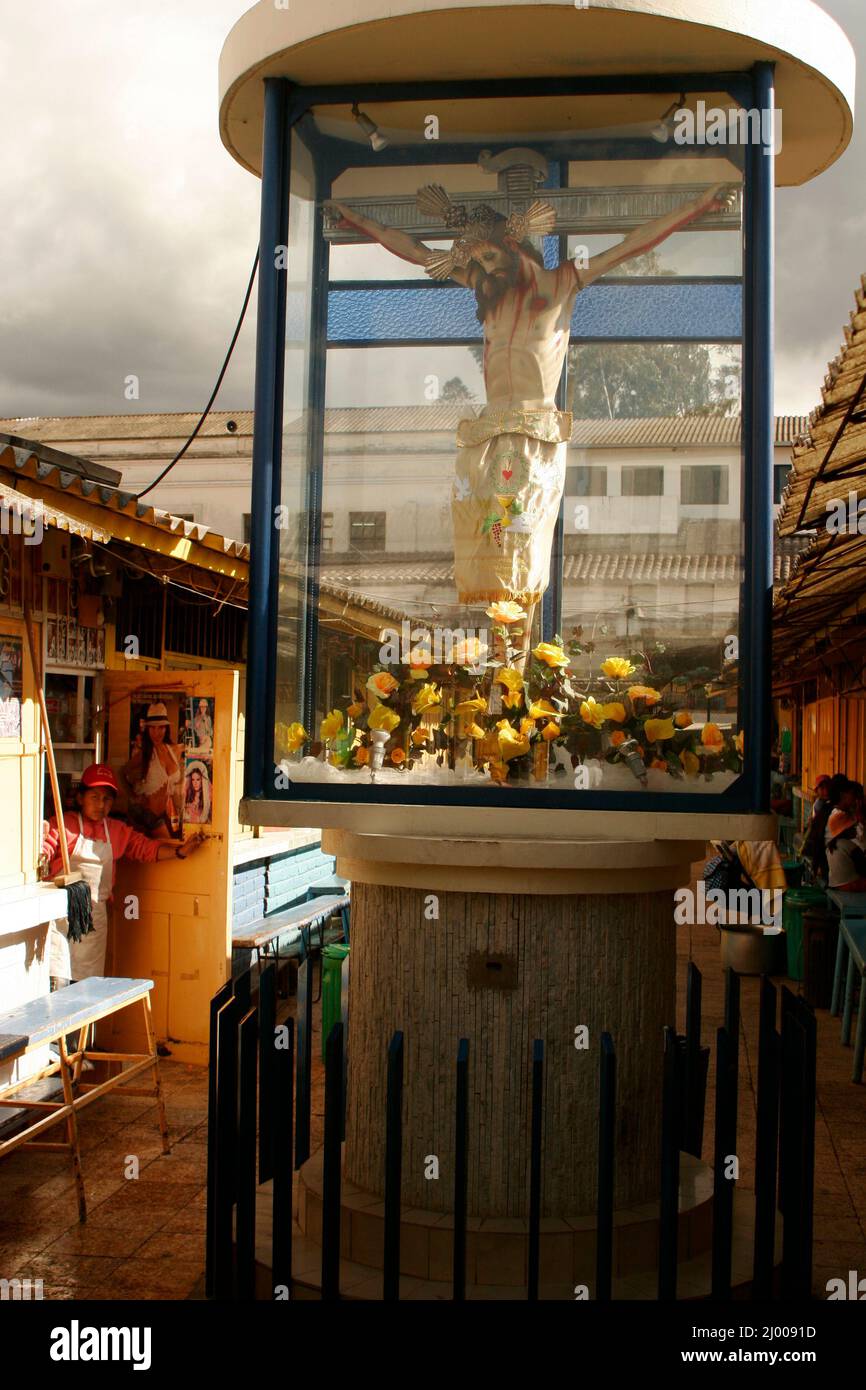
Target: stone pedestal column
[{"x": 503, "y": 942}]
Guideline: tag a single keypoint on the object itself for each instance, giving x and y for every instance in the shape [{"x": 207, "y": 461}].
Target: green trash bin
[
  {"x": 332, "y": 980},
  {"x": 795, "y": 903},
  {"x": 793, "y": 872}
]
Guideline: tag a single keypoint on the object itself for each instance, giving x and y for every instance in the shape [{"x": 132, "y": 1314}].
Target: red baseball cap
[{"x": 99, "y": 775}]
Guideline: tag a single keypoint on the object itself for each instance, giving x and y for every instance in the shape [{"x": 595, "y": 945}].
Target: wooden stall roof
[{"x": 826, "y": 593}]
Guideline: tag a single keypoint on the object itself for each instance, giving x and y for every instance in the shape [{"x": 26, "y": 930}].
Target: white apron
[{"x": 79, "y": 960}]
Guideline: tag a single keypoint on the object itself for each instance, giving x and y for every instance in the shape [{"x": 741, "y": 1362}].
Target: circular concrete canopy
[{"x": 337, "y": 42}]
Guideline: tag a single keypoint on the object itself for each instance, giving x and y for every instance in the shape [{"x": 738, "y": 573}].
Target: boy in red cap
[{"x": 95, "y": 844}]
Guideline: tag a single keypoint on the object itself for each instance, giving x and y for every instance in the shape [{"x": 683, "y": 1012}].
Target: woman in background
[{"x": 95, "y": 845}]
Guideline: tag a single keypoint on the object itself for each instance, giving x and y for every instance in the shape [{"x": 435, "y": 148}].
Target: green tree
[{"x": 615, "y": 381}]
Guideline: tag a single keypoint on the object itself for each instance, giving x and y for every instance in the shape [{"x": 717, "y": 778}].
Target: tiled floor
[{"x": 144, "y": 1237}]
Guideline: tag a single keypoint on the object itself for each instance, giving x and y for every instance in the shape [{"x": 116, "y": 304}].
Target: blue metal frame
[
  {"x": 283, "y": 106},
  {"x": 267, "y": 443}
]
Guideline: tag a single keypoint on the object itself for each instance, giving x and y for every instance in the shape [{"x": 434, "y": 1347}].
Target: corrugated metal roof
[
  {"x": 695, "y": 431},
  {"x": 28, "y": 511},
  {"x": 27, "y": 462}
]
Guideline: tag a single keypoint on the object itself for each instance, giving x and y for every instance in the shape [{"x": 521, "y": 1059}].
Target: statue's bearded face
[{"x": 500, "y": 268}]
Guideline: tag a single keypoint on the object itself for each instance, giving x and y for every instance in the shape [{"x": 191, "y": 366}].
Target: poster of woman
[
  {"x": 197, "y": 791},
  {"x": 154, "y": 774},
  {"x": 201, "y": 722}
]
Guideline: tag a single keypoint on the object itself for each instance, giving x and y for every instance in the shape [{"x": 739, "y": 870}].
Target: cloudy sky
[{"x": 128, "y": 233}]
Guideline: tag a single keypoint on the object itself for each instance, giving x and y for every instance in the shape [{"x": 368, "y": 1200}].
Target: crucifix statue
[{"x": 510, "y": 464}]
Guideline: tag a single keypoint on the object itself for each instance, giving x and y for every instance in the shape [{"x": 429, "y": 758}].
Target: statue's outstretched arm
[
  {"x": 651, "y": 234},
  {"x": 408, "y": 248}
]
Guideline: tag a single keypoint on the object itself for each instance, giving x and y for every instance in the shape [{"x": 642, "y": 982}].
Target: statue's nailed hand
[
  {"x": 337, "y": 216},
  {"x": 721, "y": 198}
]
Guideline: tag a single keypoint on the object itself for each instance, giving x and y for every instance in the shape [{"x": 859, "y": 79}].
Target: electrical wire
[{"x": 215, "y": 392}]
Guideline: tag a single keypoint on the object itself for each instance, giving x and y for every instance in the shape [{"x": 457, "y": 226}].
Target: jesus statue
[{"x": 510, "y": 465}]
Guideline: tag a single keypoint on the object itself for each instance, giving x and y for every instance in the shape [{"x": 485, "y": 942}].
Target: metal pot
[{"x": 754, "y": 950}]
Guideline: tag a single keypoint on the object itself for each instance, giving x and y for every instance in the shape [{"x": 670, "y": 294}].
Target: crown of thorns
[{"x": 476, "y": 226}]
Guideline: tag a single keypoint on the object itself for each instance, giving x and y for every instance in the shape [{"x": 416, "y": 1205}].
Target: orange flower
[
  {"x": 712, "y": 738},
  {"x": 643, "y": 692},
  {"x": 499, "y": 772},
  {"x": 683, "y": 718},
  {"x": 381, "y": 683},
  {"x": 420, "y": 736},
  {"x": 398, "y": 756},
  {"x": 659, "y": 765},
  {"x": 362, "y": 756},
  {"x": 355, "y": 709},
  {"x": 617, "y": 737}
]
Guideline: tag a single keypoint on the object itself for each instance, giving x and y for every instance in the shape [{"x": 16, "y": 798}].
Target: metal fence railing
[{"x": 259, "y": 1131}]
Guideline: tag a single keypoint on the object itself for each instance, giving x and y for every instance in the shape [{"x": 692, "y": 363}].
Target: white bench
[{"x": 75, "y": 1009}]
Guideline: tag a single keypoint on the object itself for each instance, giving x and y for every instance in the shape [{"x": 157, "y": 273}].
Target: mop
[{"x": 79, "y": 916}]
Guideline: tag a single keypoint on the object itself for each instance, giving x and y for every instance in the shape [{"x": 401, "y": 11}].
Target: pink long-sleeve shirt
[{"x": 125, "y": 842}]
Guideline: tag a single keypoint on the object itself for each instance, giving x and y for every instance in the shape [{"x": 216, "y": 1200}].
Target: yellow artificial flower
[
  {"x": 656, "y": 730},
  {"x": 683, "y": 718},
  {"x": 471, "y": 652},
  {"x": 615, "y": 712},
  {"x": 498, "y": 771},
  {"x": 691, "y": 763},
  {"x": 550, "y": 654},
  {"x": 475, "y": 731},
  {"x": 527, "y": 727},
  {"x": 355, "y": 709},
  {"x": 511, "y": 679},
  {"x": 477, "y": 705},
  {"x": 643, "y": 692},
  {"x": 381, "y": 684},
  {"x": 551, "y": 731},
  {"x": 539, "y": 708},
  {"x": 428, "y": 697},
  {"x": 296, "y": 734},
  {"x": 418, "y": 673},
  {"x": 513, "y": 699},
  {"x": 506, "y": 611},
  {"x": 331, "y": 725},
  {"x": 739, "y": 742},
  {"x": 592, "y": 712},
  {"x": 617, "y": 667},
  {"x": 511, "y": 743},
  {"x": 383, "y": 718},
  {"x": 712, "y": 738}
]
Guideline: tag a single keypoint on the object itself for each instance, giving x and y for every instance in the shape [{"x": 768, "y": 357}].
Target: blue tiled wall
[{"x": 269, "y": 884}]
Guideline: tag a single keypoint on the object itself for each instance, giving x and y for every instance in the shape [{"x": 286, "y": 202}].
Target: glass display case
[{"x": 511, "y": 531}]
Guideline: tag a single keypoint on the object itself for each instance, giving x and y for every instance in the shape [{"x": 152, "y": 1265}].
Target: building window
[
  {"x": 642, "y": 482},
  {"x": 328, "y": 530},
  {"x": 781, "y": 473},
  {"x": 184, "y": 516},
  {"x": 584, "y": 480},
  {"x": 704, "y": 485},
  {"x": 366, "y": 531}
]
